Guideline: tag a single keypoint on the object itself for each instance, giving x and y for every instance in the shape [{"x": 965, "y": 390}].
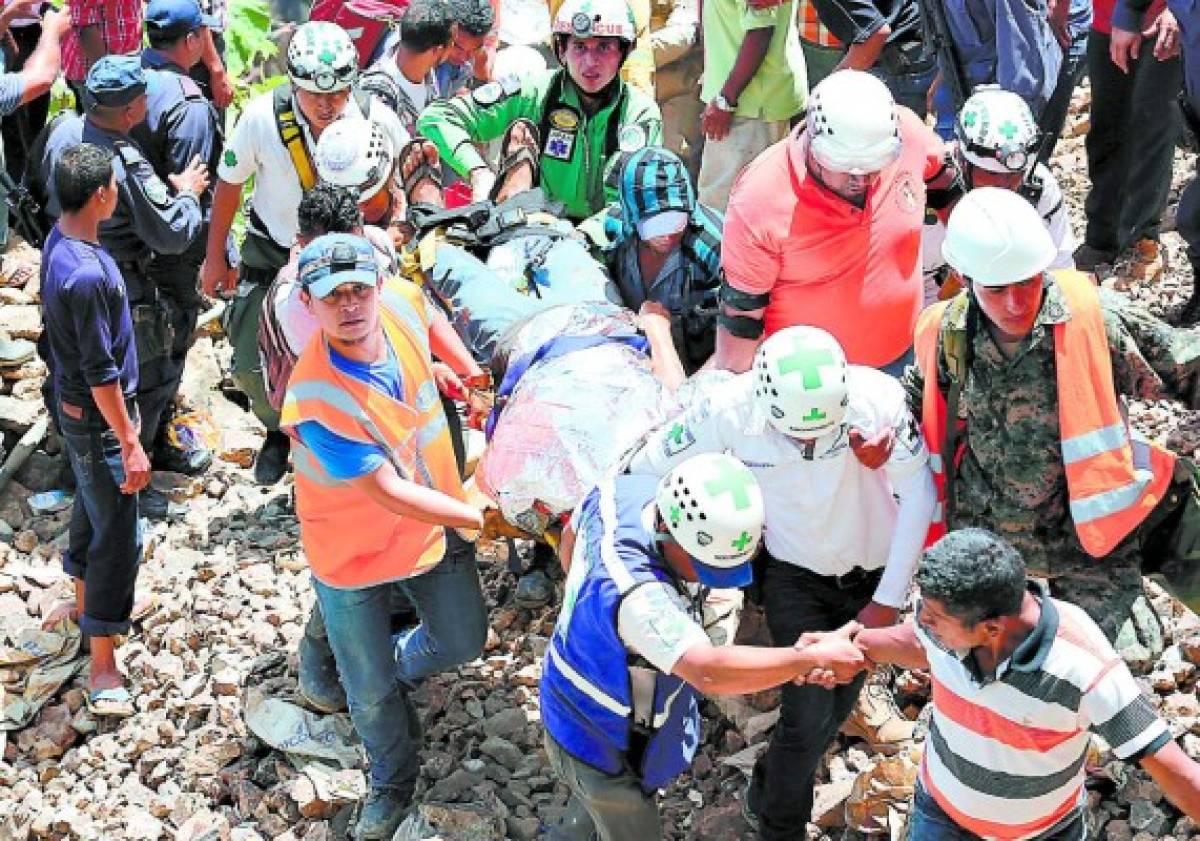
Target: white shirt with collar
[{"x": 825, "y": 511}]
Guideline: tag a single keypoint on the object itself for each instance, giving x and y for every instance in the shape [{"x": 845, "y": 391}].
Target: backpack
[{"x": 366, "y": 21}]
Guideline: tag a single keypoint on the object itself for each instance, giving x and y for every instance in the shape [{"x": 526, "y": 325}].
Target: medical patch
[
  {"x": 230, "y": 158},
  {"x": 565, "y": 119},
  {"x": 488, "y": 94},
  {"x": 678, "y": 439},
  {"x": 631, "y": 138},
  {"x": 157, "y": 191},
  {"x": 559, "y": 144}
]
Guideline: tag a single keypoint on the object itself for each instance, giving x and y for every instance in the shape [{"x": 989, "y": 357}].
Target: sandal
[
  {"x": 110, "y": 703},
  {"x": 511, "y": 158},
  {"x": 423, "y": 170}
]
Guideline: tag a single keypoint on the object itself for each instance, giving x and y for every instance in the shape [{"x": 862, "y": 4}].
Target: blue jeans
[
  {"x": 909, "y": 89},
  {"x": 104, "y": 544},
  {"x": 378, "y": 669},
  {"x": 483, "y": 304},
  {"x": 928, "y": 822}
]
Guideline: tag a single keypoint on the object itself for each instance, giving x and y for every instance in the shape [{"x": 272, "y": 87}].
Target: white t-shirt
[
  {"x": 254, "y": 148},
  {"x": 825, "y": 511},
  {"x": 1053, "y": 211}
]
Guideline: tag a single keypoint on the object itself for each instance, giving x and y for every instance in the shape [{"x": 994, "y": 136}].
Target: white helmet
[
  {"x": 995, "y": 237},
  {"x": 852, "y": 123},
  {"x": 517, "y": 60},
  {"x": 800, "y": 380},
  {"x": 713, "y": 509},
  {"x": 354, "y": 152},
  {"x": 596, "y": 19},
  {"x": 321, "y": 58},
  {"x": 996, "y": 130}
]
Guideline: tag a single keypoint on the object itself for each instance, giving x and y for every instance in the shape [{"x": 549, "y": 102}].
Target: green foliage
[{"x": 248, "y": 36}]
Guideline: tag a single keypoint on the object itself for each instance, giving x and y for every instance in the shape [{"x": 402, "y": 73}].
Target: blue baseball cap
[
  {"x": 176, "y": 17},
  {"x": 724, "y": 578},
  {"x": 334, "y": 259},
  {"x": 114, "y": 80}
]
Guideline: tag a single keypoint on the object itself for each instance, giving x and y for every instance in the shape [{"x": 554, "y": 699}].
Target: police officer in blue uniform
[
  {"x": 628, "y": 659},
  {"x": 181, "y": 125},
  {"x": 151, "y": 218}
]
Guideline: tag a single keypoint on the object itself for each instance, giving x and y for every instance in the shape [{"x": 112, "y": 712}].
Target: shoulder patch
[
  {"x": 631, "y": 138},
  {"x": 488, "y": 94},
  {"x": 565, "y": 119},
  {"x": 157, "y": 191}
]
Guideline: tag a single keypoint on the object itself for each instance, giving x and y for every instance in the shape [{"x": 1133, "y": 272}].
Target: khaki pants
[{"x": 723, "y": 159}]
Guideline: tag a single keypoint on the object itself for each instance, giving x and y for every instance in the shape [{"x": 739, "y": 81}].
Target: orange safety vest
[
  {"x": 1113, "y": 480},
  {"x": 349, "y": 539}
]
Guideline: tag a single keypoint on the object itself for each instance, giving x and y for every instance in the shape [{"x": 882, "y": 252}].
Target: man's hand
[
  {"x": 1124, "y": 47},
  {"x": 876, "y": 615},
  {"x": 136, "y": 466},
  {"x": 217, "y": 278},
  {"x": 448, "y": 382},
  {"x": 1165, "y": 32},
  {"x": 1059, "y": 12},
  {"x": 837, "y": 658},
  {"x": 873, "y": 452},
  {"x": 716, "y": 122},
  {"x": 221, "y": 87},
  {"x": 193, "y": 179},
  {"x": 482, "y": 181}
]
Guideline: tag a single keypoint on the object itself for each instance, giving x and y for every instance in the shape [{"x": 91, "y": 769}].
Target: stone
[
  {"x": 140, "y": 825},
  {"x": 17, "y": 416},
  {"x": 226, "y": 682},
  {"x": 453, "y": 786},
  {"x": 1118, "y": 831},
  {"x": 829, "y": 803},
  {"x": 1144, "y": 816},
  {"x": 204, "y": 826},
  {"x": 503, "y": 751},
  {"x": 505, "y": 724},
  {"x": 21, "y": 321}
]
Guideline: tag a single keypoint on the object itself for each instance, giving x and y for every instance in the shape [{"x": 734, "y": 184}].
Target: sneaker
[
  {"x": 382, "y": 812},
  {"x": 534, "y": 590},
  {"x": 272, "y": 461},
  {"x": 878, "y": 721},
  {"x": 1088, "y": 258}
]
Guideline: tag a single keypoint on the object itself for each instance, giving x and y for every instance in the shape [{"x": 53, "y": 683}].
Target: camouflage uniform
[{"x": 1011, "y": 479}]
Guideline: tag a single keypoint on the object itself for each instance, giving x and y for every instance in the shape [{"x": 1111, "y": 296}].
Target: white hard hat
[
  {"x": 852, "y": 123},
  {"x": 713, "y": 509},
  {"x": 800, "y": 380},
  {"x": 321, "y": 58},
  {"x": 596, "y": 19},
  {"x": 519, "y": 61},
  {"x": 995, "y": 237},
  {"x": 996, "y": 130},
  {"x": 354, "y": 152}
]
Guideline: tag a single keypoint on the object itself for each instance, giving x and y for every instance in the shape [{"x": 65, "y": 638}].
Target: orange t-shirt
[{"x": 825, "y": 262}]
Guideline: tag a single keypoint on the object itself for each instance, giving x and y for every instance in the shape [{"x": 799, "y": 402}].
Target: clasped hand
[{"x": 837, "y": 656}]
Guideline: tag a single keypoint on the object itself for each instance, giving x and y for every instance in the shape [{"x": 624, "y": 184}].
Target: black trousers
[
  {"x": 796, "y": 600},
  {"x": 1131, "y": 145}
]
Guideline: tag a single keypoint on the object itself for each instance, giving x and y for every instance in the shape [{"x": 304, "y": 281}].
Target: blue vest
[{"x": 587, "y": 700}]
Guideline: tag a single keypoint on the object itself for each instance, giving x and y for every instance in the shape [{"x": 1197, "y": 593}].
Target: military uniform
[
  {"x": 148, "y": 221},
  {"x": 1011, "y": 479},
  {"x": 575, "y": 146}
]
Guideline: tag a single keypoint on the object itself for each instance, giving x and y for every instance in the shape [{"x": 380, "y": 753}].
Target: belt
[
  {"x": 856, "y": 577},
  {"x": 92, "y": 414}
]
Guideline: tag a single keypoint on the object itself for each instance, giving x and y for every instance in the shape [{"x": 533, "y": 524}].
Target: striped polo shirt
[{"x": 1005, "y": 754}]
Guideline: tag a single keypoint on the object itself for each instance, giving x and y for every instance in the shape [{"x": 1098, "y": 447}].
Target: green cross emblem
[
  {"x": 676, "y": 515},
  {"x": 815, "y": 415},
  {"x": 230, "y": 158},
  {"x": 969, "y": 118},
  {"x": 733, "y": 481},
  {"x": 808, "y": 362},
  {"x": 327, "y": 56},
  {"x": 676, "y": 434},
  {"x": 742, "y": 542},
  {"x": 1008, "y": 129}
]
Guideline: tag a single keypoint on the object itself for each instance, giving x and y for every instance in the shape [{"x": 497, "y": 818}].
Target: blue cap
[
  {"x": 114, "y": 80},
  {"x": 724, "y": 578},
  {"x": 329, "y": 261},
  {"x": 176, "y": 17}
]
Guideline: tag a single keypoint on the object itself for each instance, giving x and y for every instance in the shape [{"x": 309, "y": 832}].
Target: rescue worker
[
  {"x": 1035, "y": 363},
  {"x": 376, "y": 487},
  {"x": 825, "y": 227},
  {"x": 273, "y": 141},
  {"x": 149, "y": 222},
  {"x": 180, "y": 125},
  {"x": 838, "y": 545},
  {"x": 628, "y": 660},
  {"x": 560, "y": 127},
  {"x": 997, "y": 146}
]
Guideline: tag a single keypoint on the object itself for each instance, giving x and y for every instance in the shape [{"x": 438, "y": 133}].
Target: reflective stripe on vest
[{"x": 1113, "y": 481}]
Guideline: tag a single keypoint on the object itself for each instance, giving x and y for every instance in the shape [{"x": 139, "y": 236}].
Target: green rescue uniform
[{"x": 575, "y": 147}]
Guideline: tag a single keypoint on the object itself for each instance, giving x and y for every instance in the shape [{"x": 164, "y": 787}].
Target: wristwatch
[{"x": 724, "y": 104}]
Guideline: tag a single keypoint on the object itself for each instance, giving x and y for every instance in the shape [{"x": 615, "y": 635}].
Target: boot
[
  {"x": 272, "y": 461},
  {"x": 318, "y": 683},
  {"x": 382, "y": 814},
  {"x": 878, "y": 721}
]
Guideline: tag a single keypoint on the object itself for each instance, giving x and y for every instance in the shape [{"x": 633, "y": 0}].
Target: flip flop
[
  {"x": 511, "y": 158},
  {"x": 110, "y": 703},
  {"x": 423, "y": 170}
]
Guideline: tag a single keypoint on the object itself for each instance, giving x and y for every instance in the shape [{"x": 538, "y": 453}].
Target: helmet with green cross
[
  {"x": 321, "y": 58},
  {"x": 594, "y": 19},
  {"x": 996, "y": 131},
  {"x": 713, "y": 509},
  {"x": 800, "y": 381}
]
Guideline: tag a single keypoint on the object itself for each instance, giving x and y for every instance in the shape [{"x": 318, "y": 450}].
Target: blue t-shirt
[
  {"x": 88, "y": 325},
  {"x": 340, "y": 457}
]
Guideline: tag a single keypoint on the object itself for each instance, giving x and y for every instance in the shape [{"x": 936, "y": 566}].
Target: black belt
[{"x": 851, "y": 580}]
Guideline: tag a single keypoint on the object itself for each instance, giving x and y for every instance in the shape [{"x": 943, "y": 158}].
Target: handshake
[{"x": 833, "y": 656}]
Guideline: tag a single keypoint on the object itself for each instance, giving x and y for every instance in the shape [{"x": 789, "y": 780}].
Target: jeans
[
  {"x": 796, "y": 600},
  {"x": 1054, "y": 116},
  {"x": 379, "y": 669},
  {"x": 604, "y": 806},
  {"x": 909, "y": 88},
  {"x": 484, "y": 303},
  {"x": 1130, "y": 147},
  {"x": 928, "y": 822},
  {"x": 104, "y": 545}
]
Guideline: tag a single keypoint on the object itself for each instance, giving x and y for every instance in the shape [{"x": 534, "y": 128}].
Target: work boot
[
  {"x": 1089, "y": 258},
  {"x": 878, "y": 721},
  {"x": 383, "y": 811},
  {"x": 318, "y": 682},
  {"x": 1148, "y": 263},
  {"x": 272, "y": 461}
]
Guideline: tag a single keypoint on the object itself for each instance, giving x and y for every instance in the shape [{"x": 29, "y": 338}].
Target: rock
[
  {"x": 522, "y": 829},
  {"x": 503, "y": 751},
  {"x": 16, "y": 416},
  {"x": 1144, "y": 816},
  {"x": 204, "y": 826},
  {"x": 21, "y": 321},
  {"x": 505, "y": 724},
  {"x": 829, "y": 803},
  {"x": 452, "y": 823},
  {"x": 226, "y": 682},
  {"x": 25, "y": 541},
  {"x": 140, "y": 825},
  {"x": 1118, "y": 831},
  {"x": 451, "y": 787}
]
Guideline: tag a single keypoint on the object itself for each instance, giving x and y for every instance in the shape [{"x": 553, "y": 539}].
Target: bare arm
[
  {"x": 733, "y": 353},
  {"x": 1178, "y": 777},
  {"x": 896, "y": 644},
  {"x": 655, "y": 322},
  {"x": 111, "y": 403},
  {"x": 41, "y": 69},
  {"x": 749, "y": 58},
  {"x": 408, "y": 499},
  {"x": 741, "y": 669},
  {"x": 863, "y": 56},
  {"x": 226, "y": 199}
]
